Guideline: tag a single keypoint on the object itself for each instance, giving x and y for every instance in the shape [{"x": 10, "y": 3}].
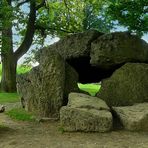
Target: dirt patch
[{"x": 18, "y": 134}]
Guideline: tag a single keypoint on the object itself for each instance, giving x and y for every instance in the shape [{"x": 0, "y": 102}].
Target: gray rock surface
[
  {"x": 71, "y": 80},
  {"x": 126, "y": 86},
  {"x": 2, "y": 108},
  {"x": 85, "y": 113},
  {"x": 80, "y": 100},
  {"x": 115, "y": 49},
  {"x": 73, "y": 46},
  {"x": 133, "y": 118},
  {"x": 45, "y": 87}
]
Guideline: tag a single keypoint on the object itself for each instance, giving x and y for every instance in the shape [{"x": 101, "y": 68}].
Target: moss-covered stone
[
  {"x": 126, "y": 86},
  {"x": 115, "y": 49}
]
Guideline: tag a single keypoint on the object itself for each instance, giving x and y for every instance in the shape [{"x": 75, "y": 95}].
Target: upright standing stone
[
  {"x": 43, "y": 86},
  {"x": 126, "y": 86}
]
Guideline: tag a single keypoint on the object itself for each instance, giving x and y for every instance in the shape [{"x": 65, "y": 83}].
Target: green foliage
[
  {"x": 9, "y": 97},
  {"x": 72, "y": 16},
  {"x": 20, "y": 114},
  {"x": 92, "y": 89},
  {"x": 6, "y": 14},
  {"x": 132, "y": 14}
]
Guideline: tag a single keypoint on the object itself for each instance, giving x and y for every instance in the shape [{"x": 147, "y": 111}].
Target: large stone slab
[
  {"x": 85, "y": 113},
  {"x": 42, "y": 87},
  {"x": 87, "y": 120},
  {"x": 126, "y": 86},
  {"x": 133, "y": 118},
  {"x": 72, "y": 46},
  {"x": 112, "y": 50},
  {"x": 80, "y": 100},
  {"x": 75, "y": 49}
]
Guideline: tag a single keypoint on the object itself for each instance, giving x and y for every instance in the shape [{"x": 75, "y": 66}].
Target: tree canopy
[{"x": 132, "y": 14}]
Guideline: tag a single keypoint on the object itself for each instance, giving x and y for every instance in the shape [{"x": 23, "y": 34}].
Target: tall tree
[
  {"x": 10, "y": 57},
  {"x": 45, "y": 17},
  {"x": 132, "y": 14}
]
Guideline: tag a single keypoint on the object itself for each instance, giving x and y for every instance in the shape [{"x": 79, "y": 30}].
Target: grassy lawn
[
  {"x": 23, "y": 69},
  {"x": 20, "y": 114},
  {"x": 9, "y": 97},
  {"x": 92, "y": 89}
]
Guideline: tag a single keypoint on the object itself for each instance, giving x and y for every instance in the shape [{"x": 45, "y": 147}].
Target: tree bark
[
  {"x": 24, "y": 47},
  {"x": 10, "y": 58},
  {"x": 8, "y": 80}
]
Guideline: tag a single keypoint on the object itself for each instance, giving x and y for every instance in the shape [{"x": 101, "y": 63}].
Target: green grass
[
  {"x": 23, "y": 69},
  {"x": 20, "y": 114},
  {"x": 9, "y": 97},
  {"x": 92, "y": 89}
]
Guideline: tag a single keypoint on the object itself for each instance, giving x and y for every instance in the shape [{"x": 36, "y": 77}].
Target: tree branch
[
  {"x": 24, "y": 47},
  {"x": 41, "y": 4},
  {"x": 42, "y": 28}
]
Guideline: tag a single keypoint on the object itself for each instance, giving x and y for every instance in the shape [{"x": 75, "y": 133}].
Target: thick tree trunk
[
  {"x": 8, "y": 80},
  {"x": 10, "y": 58}
]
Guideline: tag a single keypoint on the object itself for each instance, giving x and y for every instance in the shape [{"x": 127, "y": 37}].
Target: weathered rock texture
[
  {"x": 2, "y": 108},
  {"x": 127, "y": 85},
  {"x": 114, "y": 49},
  {"x": 75, "y": 49},
  {"x": 79, "y": 100},
  {"x": 73, "y": 46},
  {"x": 43, "y": 88},
  {"x": 85, "y": 113},
  {"x": 71, "y": 80},
  {"x": 133, "y": 118}
]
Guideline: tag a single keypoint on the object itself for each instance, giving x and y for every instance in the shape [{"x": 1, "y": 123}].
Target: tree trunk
[
  {"x": 10, "y": 58},
  {"x": 8, "y": 80}
]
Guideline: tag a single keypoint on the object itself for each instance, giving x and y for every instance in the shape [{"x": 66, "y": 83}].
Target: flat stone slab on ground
[
  {"x": 133, "y": 118},
  {"x": 87, "y": 120},
  {"x": 85, "y": 113},
  {"x": 80, "y": 100}
]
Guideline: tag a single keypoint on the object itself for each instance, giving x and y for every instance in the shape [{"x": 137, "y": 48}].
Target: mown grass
[
  {"x": 9, "y": 97},
  {"x": 23, "y": 69},
  {"x": 92, "y": 89},
  {"x": 20, "y": 114}
]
